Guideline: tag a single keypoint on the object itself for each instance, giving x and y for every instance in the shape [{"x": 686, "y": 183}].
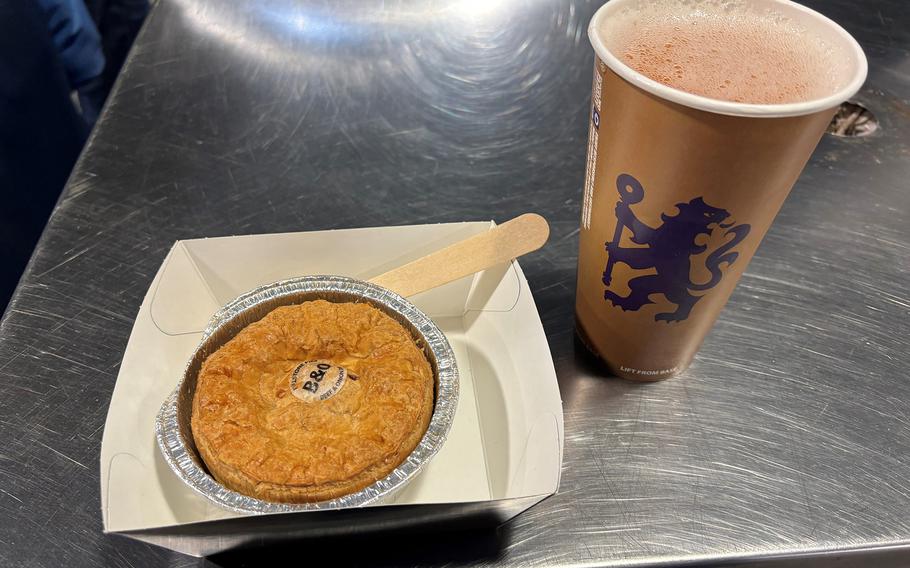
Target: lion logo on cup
[{"x": 668, "y": 250}]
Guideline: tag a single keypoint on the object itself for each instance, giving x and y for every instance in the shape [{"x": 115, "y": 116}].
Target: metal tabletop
[{"x": 789, "y": 436}]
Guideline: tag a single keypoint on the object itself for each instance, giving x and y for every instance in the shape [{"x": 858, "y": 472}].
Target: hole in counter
[{"x": 853, "y": 120}]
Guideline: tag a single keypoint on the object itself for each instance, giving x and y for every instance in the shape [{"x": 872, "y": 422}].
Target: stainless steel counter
[{"x": 789, "y": 436}]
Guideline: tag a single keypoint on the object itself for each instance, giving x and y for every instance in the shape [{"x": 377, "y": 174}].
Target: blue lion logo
[{"x": 669, "y": 250}]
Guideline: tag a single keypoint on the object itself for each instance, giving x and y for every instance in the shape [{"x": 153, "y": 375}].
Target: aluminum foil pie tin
[{"x": 172, "y": 428}]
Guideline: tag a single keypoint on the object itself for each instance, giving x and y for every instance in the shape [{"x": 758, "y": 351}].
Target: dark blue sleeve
[
  {"x": 40, "y": 134},
  {"x": 76, "y": 38}
]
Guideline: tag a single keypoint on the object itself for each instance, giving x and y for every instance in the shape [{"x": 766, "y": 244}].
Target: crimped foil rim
[{"x": 187, "y": 465}]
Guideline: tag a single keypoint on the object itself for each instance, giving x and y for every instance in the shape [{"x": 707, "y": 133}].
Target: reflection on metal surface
[
  {"x": 476, "y": 8},
  {"x": 789, "y": 435},
  {"x": 272, "y": 29}
]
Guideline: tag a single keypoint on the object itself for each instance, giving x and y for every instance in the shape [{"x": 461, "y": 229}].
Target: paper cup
[{"x": 679, "y": 191}]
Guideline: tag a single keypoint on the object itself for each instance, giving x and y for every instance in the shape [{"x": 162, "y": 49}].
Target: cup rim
[{"x": 729, "y": 107}]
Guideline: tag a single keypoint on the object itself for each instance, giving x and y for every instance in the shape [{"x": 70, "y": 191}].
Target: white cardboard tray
[{"x": 503, "y": 454}]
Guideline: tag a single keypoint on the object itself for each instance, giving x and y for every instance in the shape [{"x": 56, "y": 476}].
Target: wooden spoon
[{"x": 502, "y": 243}]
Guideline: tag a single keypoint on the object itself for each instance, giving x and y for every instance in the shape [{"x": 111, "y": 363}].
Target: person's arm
[{"x": 76, "y": 38}]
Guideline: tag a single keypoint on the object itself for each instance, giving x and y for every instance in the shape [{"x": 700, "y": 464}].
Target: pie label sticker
[{"x": 315, "y": 381}]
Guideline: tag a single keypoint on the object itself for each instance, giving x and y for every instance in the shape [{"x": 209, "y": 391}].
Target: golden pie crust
[{"x": 259, "y": 439}]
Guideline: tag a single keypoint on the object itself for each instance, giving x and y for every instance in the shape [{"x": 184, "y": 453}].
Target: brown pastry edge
[{"x": 236, "y": 480}]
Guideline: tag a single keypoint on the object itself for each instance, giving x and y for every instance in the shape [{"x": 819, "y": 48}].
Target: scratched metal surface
[{"x": 790, "y": 435}]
